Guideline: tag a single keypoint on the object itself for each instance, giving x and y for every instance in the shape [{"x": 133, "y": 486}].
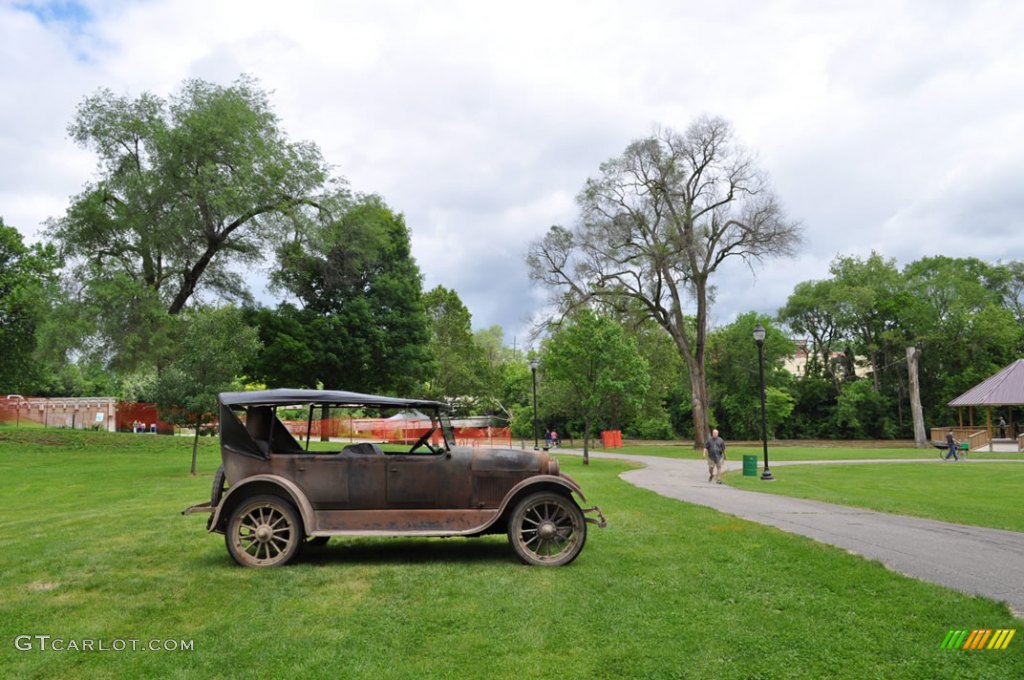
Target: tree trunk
[
  {"x": 586, "y": 441},
  {"x": 195, "y": 449},
  {"x": 191, "y": 279},
  {"x": 920, "y": 437},
  {"x": 698, "y": 387},
  {"x": 699, "y": 395}
]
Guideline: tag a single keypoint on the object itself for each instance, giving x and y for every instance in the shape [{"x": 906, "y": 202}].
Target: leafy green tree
[
  {"x": 813, "y": 408},
  {"x": 515, "y": 397},
  {"x": 863, "y": 413},
  {"x": 1014, "y": 300},
  {"x": 497, "y": 356},
  {"x": 491, "y": 342},
  {"x": 953, "y": 285},
  {"x": 667, "y": 379},
  {"x": 733, "y": 373},
  {"x": 592, "y": 370},
  {"x": 460, "y": 366},
  {"x": 962, "y": 319},
  {"x": 779, "y": 404},
  {"x": 298, "y": 348},
  {"x": 214, "y": 345},
  {"x": 362, "y": 325},
  {"x": 959, "y": 312},
  {"x": 190, "y": 189},
  {"x": 871, "y": 302},
  {"x": 656, "y": 225},
  {"x": 811, "y": 310},
  {"x": 26, "y": 277}
]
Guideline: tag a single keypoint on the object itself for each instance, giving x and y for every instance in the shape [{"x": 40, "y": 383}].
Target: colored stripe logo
[{"x": 978, "y": 639}]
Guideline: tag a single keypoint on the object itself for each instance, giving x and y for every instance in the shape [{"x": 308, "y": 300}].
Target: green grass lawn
[
  {"x": 982, "y": 495},
  {"x": 95, "y": 549},
  {"x": 795, "y": 451}
]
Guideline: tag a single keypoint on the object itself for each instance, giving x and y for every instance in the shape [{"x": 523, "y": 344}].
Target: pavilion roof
[{"x": 1005, "y": 388}]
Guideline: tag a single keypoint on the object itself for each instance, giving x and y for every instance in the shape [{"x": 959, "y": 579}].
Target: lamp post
[
  {"x": 533, "y": 368},
  {"x": 759, "y": 334}
]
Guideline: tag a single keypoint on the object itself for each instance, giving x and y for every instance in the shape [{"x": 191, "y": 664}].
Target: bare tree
[{"x": 654, "y": 227}]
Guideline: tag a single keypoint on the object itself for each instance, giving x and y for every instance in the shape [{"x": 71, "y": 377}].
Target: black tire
[
  {"x": 547, "y": 529},
  {"x": 219, "y": 484},
  {"x": 264, "y": 531}
]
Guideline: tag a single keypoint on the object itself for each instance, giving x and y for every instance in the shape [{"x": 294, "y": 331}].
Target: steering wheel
[{"x": 424, "y": 441}]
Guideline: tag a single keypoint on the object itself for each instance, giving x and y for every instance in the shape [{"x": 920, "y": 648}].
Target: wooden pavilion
[{"x": 1004, "y": 389}]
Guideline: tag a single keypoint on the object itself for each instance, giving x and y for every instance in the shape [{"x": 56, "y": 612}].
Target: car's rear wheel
[
  {"x": 264, "y": 531},
  {"x": 547, "y": 529}
]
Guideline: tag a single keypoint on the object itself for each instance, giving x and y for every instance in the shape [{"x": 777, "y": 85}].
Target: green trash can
[{"x": 750, "y": 466}]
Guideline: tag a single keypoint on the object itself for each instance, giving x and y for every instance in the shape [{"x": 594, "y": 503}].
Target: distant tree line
[{"x": 140, "y": 291}]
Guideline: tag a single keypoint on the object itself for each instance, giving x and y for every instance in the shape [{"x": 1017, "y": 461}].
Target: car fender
[
  {"x": 545, "y": 482},
  {"x": 264, "y": 484},
  {"x": 540, "y": 481}
]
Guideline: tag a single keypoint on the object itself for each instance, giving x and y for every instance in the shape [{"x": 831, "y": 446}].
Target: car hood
[{"x": 508, "y": 460}]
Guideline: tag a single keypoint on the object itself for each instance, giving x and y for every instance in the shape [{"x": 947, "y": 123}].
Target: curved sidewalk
[{"x": 974, "y": 560}]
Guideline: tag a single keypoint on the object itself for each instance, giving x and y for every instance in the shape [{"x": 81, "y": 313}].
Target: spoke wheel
[
  {"x": 264, "y": 531},
  {"x": 547, "y": 529}
]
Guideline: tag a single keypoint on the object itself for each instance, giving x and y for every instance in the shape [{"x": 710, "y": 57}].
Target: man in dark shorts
[{"x": 714, "y": 451}]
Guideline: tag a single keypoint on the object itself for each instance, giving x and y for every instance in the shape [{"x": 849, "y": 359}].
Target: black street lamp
[
  {"x": 759, "y": 334},
  {"x": 533, "y": 368}
]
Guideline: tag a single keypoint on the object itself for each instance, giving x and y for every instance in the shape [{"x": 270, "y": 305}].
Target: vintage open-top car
[{"x": 272, "y": 494}]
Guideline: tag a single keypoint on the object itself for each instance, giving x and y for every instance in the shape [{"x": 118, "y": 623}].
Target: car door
[
  {"x": 432, "y": 480},
  {"x": 323, "y": 477}
]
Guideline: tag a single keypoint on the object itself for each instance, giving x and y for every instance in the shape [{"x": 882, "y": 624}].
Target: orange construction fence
[
  {"x": 611, "y": 439},
  {"x": 404, "y": 431}
]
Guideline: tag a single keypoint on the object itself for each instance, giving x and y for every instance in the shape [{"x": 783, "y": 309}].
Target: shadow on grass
[
  {"x": 406, "y": 551},
  {"x": 378, "y": 552}
]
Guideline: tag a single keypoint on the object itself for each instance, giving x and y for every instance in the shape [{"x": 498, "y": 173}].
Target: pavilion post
[{"x": 988, "y": 423}]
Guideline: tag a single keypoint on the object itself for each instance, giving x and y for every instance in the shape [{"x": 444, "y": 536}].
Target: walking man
[
  {"x": 953, "y": 445},
  {"x": 714, "y": 451}
]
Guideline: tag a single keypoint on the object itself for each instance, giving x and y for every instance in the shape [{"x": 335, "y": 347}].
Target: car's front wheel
[
  {"x": 264, "y": 531},
  {"x": 547, "y": 529}
]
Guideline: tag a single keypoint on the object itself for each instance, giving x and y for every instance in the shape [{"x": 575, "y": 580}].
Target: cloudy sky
[{"x": 895, "y": 126}]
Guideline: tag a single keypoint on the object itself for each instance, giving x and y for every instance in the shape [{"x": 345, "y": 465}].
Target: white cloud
[{"x": 893, "y": 126}]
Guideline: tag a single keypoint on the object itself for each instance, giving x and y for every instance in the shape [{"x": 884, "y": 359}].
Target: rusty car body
[{"x": 272, "y": 495}]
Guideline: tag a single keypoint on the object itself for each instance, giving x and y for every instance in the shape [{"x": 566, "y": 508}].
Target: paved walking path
[{"x": 975, "y": 560}]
